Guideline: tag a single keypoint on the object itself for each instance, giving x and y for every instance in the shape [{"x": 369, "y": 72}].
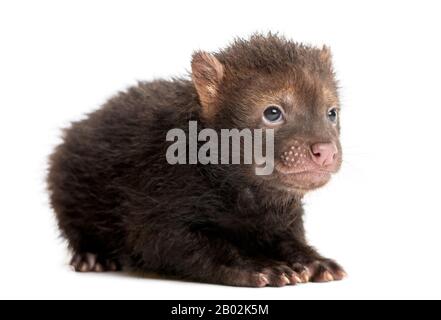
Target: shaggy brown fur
[{"x": 121, "y": 205}]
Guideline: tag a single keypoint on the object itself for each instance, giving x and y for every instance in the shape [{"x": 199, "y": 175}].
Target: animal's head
[{"x": 270, "y": 82}]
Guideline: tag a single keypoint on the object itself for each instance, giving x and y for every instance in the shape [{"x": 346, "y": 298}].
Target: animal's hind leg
[
  {"x": 90, "y": 262},
  {"x": 89, "y": 253}
]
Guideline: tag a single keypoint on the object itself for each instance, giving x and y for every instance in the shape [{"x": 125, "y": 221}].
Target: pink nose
[{"x": 324, "y": 154}]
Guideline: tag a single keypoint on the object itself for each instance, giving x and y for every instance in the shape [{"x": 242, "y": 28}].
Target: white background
[{"x": 380, "y": 217}]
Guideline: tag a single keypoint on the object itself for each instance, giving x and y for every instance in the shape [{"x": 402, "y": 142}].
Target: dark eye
[
  {"x": 333, "y": 114},
  {"x": 273, "y": 114}
]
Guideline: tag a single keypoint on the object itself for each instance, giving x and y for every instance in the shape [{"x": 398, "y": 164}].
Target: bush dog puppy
[{"x": 121, "y": 205}]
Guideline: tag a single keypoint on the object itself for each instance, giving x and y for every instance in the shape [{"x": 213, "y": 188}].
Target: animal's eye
[
  {"x": 333, "y": 114},
  {"x": 273, "y": 114}
]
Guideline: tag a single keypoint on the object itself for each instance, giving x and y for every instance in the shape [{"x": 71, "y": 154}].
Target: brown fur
[{"x": 118, "y": 200}]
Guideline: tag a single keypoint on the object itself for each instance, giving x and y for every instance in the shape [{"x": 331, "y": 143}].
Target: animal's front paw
[
  {"x": 276, "y": 275},
  {"x": 282, "y": 275},
  {"x": 323, "y": 270}
]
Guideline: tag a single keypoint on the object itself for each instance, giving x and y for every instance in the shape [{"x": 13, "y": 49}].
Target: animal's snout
[{"x": 324, "y": 154}]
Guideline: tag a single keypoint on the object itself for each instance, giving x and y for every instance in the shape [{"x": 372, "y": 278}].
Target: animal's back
[{"x": 106, "y": 162}]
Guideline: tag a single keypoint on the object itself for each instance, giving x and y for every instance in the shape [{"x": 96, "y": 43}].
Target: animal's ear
[
  {"x": 207, "y": 74},
  {"x": 326, "y": 55}
]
